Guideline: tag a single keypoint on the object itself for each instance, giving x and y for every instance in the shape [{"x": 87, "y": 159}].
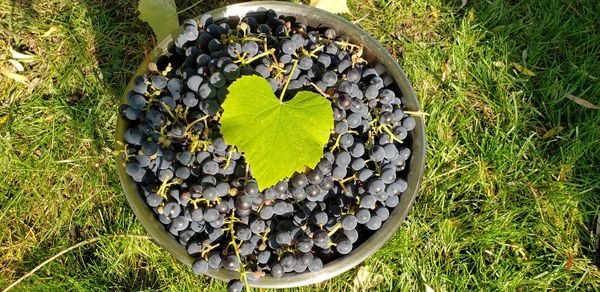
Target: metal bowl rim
[{"x": 372, "y": 244}]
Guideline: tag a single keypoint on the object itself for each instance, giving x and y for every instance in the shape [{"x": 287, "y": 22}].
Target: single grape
[
  {"x": 315, "y": 176},
  {"x": 357, "y": 164},
  {"x": 172, "y": 210},
  {"x": 262, "y": 70},
  {"x": 264, "y": 257},
  {"x": 250, "y": 48},
  {"x": 194, "y": 248},
  {"x": 344, "y": 102},
  {"x": 349, "y": 222},
  {"x": 354, "y": 75},
  {"x": 377, "y": 153},
  {"x": 277, "y": 270},
  {"x": 376, "y": 186},
  {"x": 266, "y": 212},
  {"x": 258, "y": 226},
  {"x": 246, "y": 248},
  {"x": 409, "y": 123},
  {"x": 179, "y": 223},
  {"x": 243, "y": 202},
  {"x": 327, "y": 183},
  {"x": 319, "y": 218},
  {"x": 235, "y": 285},
  {"x": 346, "y": 140},
  {"x": 313, "y": 191},
  {"x": 383, "y": 213},
  {"x": 374, "y": 223},
  {"x": 231, "y": 262},
  {"x": 218, "y": 80},
  {"x": 321, "y": 238},
  {"x": 200, "y": 267},
  {"x": 354, "y": 120},
  {"x": 305, "y": 244},
  {"x": 211, "y": 214},
  {"x": 392, "y": 201},
  {"x": 368, "y": 201},
  {"x": 339, "y": 172},
  {"x": 288, "y": 47},
  {"x": 280, "y": 208},
  {"x": 388, "y": 176},
  {"x": 329, "y": 78},
  {"x": 343, "y": 246},
  {"x": 154, "y": 200},
  {"x": 365, "y": 174},
  {"x": 315, "y": 265}
]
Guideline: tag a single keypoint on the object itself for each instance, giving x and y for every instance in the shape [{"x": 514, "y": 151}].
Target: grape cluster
[{"x": 201, "y": 188}]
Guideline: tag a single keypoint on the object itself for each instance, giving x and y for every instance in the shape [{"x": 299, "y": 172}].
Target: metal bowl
[{"x": 373, "y": 51}]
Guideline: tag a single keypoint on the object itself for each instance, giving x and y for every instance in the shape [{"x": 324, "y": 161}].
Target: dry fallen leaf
[
  {"x": 523, "y": 70},
  {"x": 582, "y": 102},
  {"x": 365, "y": 280},
  {"x": 498, "y": 64},
  {"x": 446, "y": 69},
  {"x": 552, "y": 132},
  {"x": 333, "y": 6},
  {"x": 569, "y": 265},
  {"x": 20, "y": 56},
  {"x": 471, "y": 16},
  {"x": 152, "y": 67},
  {"x": 17, "y": 65},
  {"x": 50, "y": 31},
  {"x": 16, "y": 77},
  {"x": 428, "y": 289},
  {"x": 3, "y": 119}
]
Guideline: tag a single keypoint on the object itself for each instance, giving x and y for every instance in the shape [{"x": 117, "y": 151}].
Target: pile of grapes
[{"x": 202, "y": 190}]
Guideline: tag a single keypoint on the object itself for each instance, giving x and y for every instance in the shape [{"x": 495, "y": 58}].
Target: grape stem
[
  {"x": 334, "y": 229},
  {"x": 417, "y": 113},
  {"x": 348, "y": 179},
  {"x": 336, "y": 144},
  {"x": 287, "y": 82},
  {"x": 263, "y": 54},
  {"x": 320, "y": 91},
  {"x": 237, "y": 253},
  {"x": 387, "y": 130},
  {"x": 169, "y": 111},
  {"x": 164, "y": 187},
  {"x": 208, "y": 248},
  {"x": 195, "y": 122}
]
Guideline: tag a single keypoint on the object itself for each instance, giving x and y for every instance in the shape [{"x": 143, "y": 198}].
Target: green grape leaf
[
  {"x": 333, "y": 6},
  {"x": 277, "y": 138},
  {"x": 161, "y": 15}
]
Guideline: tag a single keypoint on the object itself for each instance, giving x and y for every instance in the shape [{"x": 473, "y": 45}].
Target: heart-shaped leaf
[{"x": 277, "y": 138}]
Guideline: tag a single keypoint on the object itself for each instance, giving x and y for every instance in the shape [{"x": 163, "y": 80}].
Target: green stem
[
  {"x": 236, "y": 249},
  {"x": 263, "y": 54},
  {"x": 287, "y": 82},
  {"x": 385, "y": 128},
  {"x": 334, "y": 229}
]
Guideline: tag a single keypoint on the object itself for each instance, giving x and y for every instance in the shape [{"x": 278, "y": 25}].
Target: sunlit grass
[{"x": 507, "y": 202}]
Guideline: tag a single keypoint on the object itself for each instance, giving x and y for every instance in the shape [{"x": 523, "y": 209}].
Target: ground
[{"x": 508, "y": 200}]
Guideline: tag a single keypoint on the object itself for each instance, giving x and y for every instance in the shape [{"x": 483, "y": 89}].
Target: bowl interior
[{"x": 373, "y": 51}]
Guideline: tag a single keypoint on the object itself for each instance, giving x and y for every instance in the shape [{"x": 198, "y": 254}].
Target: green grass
[{"x": 508, "y": 200}]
